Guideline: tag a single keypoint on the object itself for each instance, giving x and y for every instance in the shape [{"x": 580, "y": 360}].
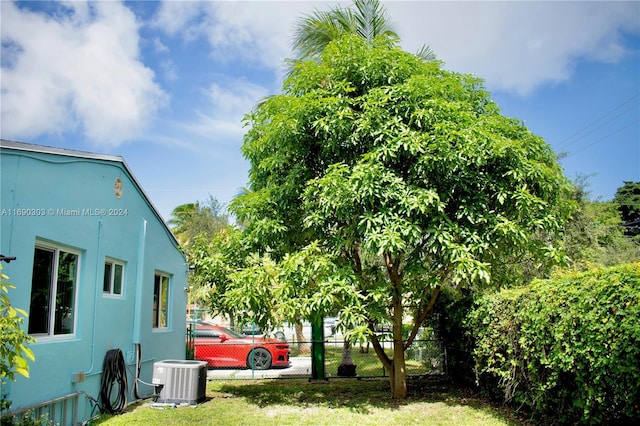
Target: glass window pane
[
  {"x": 117, "y": 279},
  {"x": 65, "y": 293},
  {"x": 40, "y": 291},
  {"x": 106, "y": 287},
  {"x": 156, "y": 300},
  {"x": 164, "y": 301},
  {"x": 160, "y": 301}
]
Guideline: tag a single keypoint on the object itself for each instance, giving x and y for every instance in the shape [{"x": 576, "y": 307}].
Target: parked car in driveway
[
  {"x": 255, "y": 330},
  {"x": 221, "y": 347},
  {"x": 251, "y": 329}
]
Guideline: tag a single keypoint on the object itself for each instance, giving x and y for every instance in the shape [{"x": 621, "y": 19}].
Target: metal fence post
[{"x": 317, "y": 349}]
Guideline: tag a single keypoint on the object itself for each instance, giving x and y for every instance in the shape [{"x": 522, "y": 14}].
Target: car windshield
[{"x": 232, "y": 333}]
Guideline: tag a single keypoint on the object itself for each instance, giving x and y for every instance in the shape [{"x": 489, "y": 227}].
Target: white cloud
[
  {"x": 228, "y": 103},
  {"x": 254, "y": 32},
  {"x": 517, "y": 46},
  {"x": 158, "y": 46},
  {"x": 76, "y": 69},
  {"x": 169, "y": 72},
  {"x": 514, "y": 46},
  {"x": 79, "y": 68},
  {"x": 177, "y": 16}
]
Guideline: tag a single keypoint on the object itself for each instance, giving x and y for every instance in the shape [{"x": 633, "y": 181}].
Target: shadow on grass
[{"x": 358, "y": 396}]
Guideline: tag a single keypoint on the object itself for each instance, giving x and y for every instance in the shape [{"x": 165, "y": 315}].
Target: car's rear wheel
[{"x": 259, "y": 359}]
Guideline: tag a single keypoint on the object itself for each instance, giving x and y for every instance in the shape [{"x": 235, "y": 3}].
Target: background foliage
[
  {"x": 190, "y": 220},
  {"x": 597, "y": 233},
  {"x": 627, "y": 199}
]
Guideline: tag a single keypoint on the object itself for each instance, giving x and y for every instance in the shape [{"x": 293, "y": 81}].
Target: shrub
[
  {"x": 567, "y": 348},
  {"x": 14, "y": 350}
]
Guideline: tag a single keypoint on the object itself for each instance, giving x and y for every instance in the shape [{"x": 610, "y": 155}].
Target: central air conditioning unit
[{"x": 180, "y": 381}]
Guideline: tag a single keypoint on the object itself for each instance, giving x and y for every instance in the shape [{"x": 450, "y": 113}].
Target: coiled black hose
[{"x": 114, "y": 372}]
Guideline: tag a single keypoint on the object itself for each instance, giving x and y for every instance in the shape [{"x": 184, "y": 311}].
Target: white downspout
[
  {"x": 95, "y": 299},
  {"x": 137, "y": 313}
]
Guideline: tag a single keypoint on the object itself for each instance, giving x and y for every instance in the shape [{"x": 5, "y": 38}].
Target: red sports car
[{"x": 222, "y": 347}]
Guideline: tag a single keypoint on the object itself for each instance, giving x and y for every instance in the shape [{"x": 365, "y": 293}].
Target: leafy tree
[
  {"x": 198, "y": 226},
  {"x": 408, "y": 177},
  {"x": 214, "y": 259},
  {"x": 192, "y": 219},
  {"x": 14, "y": 350},
  {"x": 595, "y": 235},
  {"x": 628, "y": 200},
  {"x": 367, "y": 19}
]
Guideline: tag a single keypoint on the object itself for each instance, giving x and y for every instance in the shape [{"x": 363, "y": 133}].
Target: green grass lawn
[
  {"x": 368, "y": 364},
  {"x": 431, "y": 401}
]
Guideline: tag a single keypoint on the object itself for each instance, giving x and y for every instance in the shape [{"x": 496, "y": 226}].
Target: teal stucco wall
[{"x": 70, "y": 200}]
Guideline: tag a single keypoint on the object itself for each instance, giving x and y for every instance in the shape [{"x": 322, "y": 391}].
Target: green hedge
[{"x": 568, "y": 349}]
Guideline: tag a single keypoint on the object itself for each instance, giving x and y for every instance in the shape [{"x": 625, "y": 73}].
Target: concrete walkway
[{"x": 300, "y": 367}]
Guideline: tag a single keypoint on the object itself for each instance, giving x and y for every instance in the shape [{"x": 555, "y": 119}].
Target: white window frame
[
  {"x": 53, "y": 288},
  {"x": 165, "y": 282},
  {"x": 112, "y": 275}
]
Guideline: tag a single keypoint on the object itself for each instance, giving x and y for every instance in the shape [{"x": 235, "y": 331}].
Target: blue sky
[{"x": 166, "y": 84}]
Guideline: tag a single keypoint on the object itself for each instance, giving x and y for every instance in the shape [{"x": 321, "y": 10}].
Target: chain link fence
[{"x": 423, "y": 357}]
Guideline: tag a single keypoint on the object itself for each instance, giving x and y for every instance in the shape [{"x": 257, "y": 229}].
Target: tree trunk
[
  {"x": 303, "y": 344},
  {"x": 396, "y": 365},
  {"x": 232, "y": 322},
  {"x": 347, "y": 368},
  {"x": 398, "y": 373},
  {"x": 347, "y": 359}
]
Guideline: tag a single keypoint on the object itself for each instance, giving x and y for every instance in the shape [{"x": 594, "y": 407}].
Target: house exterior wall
[{"x": 71, "y": 202}]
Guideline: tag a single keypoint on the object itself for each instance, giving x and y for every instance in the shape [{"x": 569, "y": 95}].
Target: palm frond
[
  {"x": 426, "y": 54},
  {"x": 373, "y": 20},
  {"x": 314, "y": 32}
]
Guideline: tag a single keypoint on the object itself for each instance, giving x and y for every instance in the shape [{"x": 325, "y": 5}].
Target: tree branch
[
  {"x": 422, "y": 317},
  {"x": 382, "y": 355}
]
